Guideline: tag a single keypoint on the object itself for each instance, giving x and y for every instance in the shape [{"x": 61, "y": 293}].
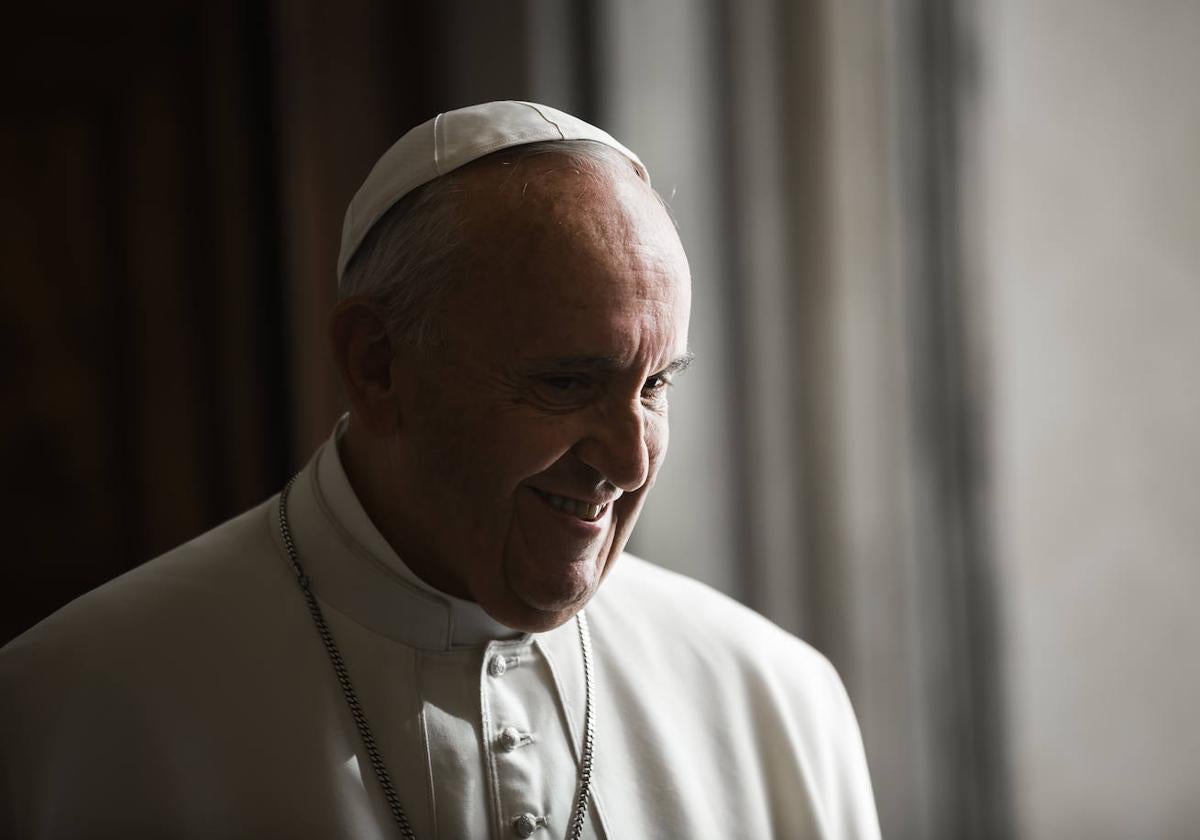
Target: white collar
[{"x": 356, "y": 571}]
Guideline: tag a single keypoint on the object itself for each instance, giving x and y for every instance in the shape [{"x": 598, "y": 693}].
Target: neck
[{"x": 376, "y": 476}]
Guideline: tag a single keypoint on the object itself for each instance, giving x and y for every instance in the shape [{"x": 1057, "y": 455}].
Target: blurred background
[{"x": 946, "y": 255}]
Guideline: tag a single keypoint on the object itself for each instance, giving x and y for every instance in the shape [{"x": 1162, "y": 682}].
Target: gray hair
[{"x": 406, "y": 264}]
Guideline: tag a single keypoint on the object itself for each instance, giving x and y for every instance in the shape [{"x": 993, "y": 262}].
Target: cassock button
[
  {"x": 526, "y": 824},
  {"x": 497, "y": 666},
  {"x": 510, "y": 738}
]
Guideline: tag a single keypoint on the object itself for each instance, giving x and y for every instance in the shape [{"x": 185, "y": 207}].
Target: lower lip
[{"x": 572, "y": 521}]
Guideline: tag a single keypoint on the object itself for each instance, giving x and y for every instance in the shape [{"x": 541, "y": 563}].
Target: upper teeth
[{"x": 573, "y": 506}]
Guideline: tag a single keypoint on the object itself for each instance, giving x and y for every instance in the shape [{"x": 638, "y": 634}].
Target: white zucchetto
[{"x": 450, "y": 140}]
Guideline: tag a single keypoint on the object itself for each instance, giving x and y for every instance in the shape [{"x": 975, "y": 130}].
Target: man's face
[{"x": 529, "y": 442}]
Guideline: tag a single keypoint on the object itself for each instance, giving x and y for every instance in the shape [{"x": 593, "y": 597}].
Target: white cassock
[{"x": 192, "y": 698}]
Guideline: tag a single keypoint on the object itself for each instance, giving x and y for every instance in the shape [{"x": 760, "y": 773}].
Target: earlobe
[{"x": 363, "y": 353}]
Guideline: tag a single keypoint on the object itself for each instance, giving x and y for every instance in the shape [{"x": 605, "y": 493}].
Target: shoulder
[
  {"x": 680, "y": 623},
  {"x": 671, "y": 606},
  {"x": 686, "y": 664},
  {"x": 202, "y": 583},
  {"x": 170, "y": 660}
]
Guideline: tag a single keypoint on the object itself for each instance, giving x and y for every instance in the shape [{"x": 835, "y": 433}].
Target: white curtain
[{"x": 824, "y": 464}]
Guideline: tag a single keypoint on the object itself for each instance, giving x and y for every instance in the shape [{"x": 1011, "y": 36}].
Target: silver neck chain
[{"x": 578, "y": 815}]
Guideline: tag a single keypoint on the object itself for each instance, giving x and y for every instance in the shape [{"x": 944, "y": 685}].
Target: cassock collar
[{"x": 355, "y": 570}]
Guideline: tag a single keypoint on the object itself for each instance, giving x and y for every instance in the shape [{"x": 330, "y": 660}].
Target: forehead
[{"x": 570, "y": 258}]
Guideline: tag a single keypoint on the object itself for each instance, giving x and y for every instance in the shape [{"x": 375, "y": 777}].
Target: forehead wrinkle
[
  {"x": 566, "y": 225},
  {"x": 611, "y": 362},
  {"x": 605, "y": 209}
]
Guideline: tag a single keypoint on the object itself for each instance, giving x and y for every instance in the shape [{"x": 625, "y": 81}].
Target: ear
[{"x": 363, "y": 353}]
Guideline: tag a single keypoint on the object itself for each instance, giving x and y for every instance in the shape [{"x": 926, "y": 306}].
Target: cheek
[
  {"x": 522, "y": 447},
  {"x": 462, "y": 462}
]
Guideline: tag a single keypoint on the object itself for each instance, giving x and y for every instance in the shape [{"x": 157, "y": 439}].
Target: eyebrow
[{"x": 610, "y": 363}]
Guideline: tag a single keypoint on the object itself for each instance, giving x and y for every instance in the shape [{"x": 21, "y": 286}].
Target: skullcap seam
[{"x": 538, "y": 111}]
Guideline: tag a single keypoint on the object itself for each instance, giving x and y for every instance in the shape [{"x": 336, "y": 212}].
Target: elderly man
[{"x": 433, "y": 631}]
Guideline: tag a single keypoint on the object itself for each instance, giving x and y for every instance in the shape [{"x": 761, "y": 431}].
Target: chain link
[
  {"x": 578, "y": 817},
  {"x": 589, "y": 731}
]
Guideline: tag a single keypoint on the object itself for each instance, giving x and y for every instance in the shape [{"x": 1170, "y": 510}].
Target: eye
[
  {"x": 564, "y": 389},
  {"x": 658, "y": 382},
  {"x": 565, "y": 384},
  {"x": 656, "y": 386}
]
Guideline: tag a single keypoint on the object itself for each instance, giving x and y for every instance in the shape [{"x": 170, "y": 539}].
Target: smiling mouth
[{"x": 575, "y": 507}]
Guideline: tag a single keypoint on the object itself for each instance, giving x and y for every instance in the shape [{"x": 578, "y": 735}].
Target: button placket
[{"x": 522, "y": 784}]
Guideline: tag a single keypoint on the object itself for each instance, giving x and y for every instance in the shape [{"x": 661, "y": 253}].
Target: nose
[{"x": 616, "y": 446}]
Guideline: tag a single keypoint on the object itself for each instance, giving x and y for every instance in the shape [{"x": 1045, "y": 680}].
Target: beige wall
[{"x": 1091, "y": 238}]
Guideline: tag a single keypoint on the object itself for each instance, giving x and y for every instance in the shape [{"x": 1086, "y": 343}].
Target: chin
[
  {"x": 537, "y": 603},
  {"x": 568, "y": 591},
  {"x": 545, "y": 604},
  {"x": 536, "y": 593},
  {"x": 543, "y": 622},
  {"x": 517, "y": 615}
]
